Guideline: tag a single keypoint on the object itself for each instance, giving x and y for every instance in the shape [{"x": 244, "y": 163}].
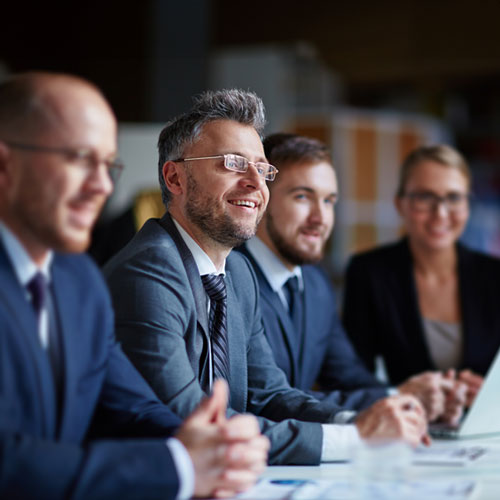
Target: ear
[{"x": 173, "y": 175}]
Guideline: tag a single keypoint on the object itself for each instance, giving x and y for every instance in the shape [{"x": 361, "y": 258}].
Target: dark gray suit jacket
[{"x": 161, "y": 320}]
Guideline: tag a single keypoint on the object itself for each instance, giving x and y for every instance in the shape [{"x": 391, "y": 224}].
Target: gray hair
[{"x": 242, "y": 106}]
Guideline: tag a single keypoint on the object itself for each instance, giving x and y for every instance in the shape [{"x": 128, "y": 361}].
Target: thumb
[{"x": 213, "y": 408}]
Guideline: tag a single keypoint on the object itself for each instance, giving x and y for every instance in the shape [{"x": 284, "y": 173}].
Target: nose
[
  {"x": 441, "y": 208},
  {"x": 99, "y": 179},
  {"x": 317, "y": 212},
  {"x": 252, "y": 178}
]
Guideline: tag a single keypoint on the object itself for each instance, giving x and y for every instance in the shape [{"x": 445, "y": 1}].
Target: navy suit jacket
[
  {"x": 382, "y": 317},
  {"x": 324, "y": 354},
  {"x": 46, "y": 456},
  {"x": 161, "y": 320}
]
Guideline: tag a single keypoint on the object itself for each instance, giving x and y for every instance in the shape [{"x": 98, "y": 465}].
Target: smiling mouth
[
  {"x": 244, "y": 203},
  {"x": 312, "y": 233}
]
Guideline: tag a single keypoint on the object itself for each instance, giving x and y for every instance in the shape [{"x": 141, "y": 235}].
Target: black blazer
[{"x": 382, "y": 317}]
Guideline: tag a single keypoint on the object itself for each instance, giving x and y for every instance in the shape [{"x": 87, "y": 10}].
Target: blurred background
[{"x": 372, "y": 79}]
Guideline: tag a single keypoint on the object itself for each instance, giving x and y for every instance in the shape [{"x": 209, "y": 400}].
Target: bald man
[{"x": 68, "y": 395}]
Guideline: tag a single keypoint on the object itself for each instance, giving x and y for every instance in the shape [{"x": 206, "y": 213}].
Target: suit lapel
[
  {"x": 468, "y": 302},
  {"x": 272, "y": 300},
  {"x": 20, "y": 310},
  {"x": 67, "y": 307},
  {"x": 237, "y": 348},
  {"x": 191, "y": 270},
  {"x": 195, "y": 283}
]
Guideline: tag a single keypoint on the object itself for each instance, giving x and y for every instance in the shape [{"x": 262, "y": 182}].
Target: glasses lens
[
  {"x": 115, "y": 168},
  {"x": 268, "y": 171},
  {"x": 236, "y": 163}
]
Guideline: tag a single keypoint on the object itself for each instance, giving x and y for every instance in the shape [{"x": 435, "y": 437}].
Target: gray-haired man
[{"x": 183, "y": 325}]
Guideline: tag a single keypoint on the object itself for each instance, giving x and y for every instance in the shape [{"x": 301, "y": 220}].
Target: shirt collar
[
  {"x": 202, "y": 260},
  {"x": 276, "y": 273},
  {"x": 23, "y": 265}
]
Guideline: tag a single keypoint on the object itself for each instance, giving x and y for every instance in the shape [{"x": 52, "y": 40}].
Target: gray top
[{"x": 445, "y": 342}]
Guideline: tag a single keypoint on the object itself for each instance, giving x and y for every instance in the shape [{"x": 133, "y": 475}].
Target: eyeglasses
[
  {"x": 426, "y": 201},
  {"x": 240, "y": 164},
  {"x": 83, "y": 157}
]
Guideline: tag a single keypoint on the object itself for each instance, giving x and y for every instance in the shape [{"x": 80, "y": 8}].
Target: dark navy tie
[
  {"x": 38, "y": 290},
  {"x": 294, "y": 297},
  {"x": 41, "y": 298},
  {"x": 216, "y": 290}
]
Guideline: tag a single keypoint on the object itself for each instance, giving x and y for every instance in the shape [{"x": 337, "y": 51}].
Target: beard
[
  {"x": 202, "y": 210},
  {"x": 287, "y": 250}
]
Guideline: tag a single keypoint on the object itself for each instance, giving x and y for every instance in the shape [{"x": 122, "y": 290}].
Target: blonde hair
[{"x": 439, "y": 153}]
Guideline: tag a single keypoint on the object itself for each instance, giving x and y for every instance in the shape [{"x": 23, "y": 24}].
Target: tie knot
[
  {"x": 37, "y": 287},
  {"x": 293, "y": 284},
  {"x": 214, "y": 286}
]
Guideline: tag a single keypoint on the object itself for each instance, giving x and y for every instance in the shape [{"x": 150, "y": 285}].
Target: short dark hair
[
  {"x": 439, "y": 153},
  {"x": 228, "y": 104},
  {"x": 283, "y": 148}
]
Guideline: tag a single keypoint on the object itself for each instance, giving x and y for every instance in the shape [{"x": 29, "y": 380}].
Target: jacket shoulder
[{"x": 380, "y": 256}]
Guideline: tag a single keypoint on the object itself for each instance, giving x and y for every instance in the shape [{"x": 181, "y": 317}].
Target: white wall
[{"x": 137, "y": 149}]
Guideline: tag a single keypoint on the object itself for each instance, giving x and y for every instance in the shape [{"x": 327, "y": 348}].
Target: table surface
[{"x": 485, "y": 470}]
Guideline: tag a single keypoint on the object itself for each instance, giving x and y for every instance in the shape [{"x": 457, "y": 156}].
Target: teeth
[{"x": 244, "y": 203}]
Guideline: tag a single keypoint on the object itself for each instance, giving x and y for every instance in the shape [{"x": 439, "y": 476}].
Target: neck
[
  {"x": 429, "y": 261},
  {"x": 215, "y": 251},
  {"x": 265, "y": 238},
  {"x": 37, "y": 251}
]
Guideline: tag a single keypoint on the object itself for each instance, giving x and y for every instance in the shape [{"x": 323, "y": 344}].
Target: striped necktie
[{"x": 216, "y": 290}]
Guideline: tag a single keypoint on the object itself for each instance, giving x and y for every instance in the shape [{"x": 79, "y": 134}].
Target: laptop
[{"x": 483, "y": 417}]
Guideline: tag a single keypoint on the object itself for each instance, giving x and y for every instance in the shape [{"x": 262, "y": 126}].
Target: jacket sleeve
[{"x": 156, "y": 323}]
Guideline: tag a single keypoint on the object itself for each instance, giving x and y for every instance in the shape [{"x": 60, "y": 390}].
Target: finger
[
  {"x": 212, "y": 409},
  {"x": 411, "y": 404},
  {"x": 224, "y": 493},
  {"x": 241, "y": 427},
  {"x": 242, "y": 457},
  {"x": 220, "y": 393},
  {"x": 447, "y": 384},
  {"x": 426, "y": 440},
  {"x": 237, "y": 479}
]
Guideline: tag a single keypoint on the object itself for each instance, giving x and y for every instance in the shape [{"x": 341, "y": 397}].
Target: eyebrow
[
  {"x": 310, "y": 190},
  {"x": 261, "y": 159}
]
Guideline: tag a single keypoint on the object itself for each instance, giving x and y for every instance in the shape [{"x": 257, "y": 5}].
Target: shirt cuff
[
  {"x": 184, "y": 468},
  {"x": 344, "y": 417},
  {"x": 392, "y": 391},
  {"x": 339, "y": 442}
]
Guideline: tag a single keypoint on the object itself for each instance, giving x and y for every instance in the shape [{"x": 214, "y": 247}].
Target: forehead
[
  {"x": 434, "y": 176},
  {"x": 79, "y": 116},
  {"x": 319, "y": 177},
  {"x": 227, "y": 136}
]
